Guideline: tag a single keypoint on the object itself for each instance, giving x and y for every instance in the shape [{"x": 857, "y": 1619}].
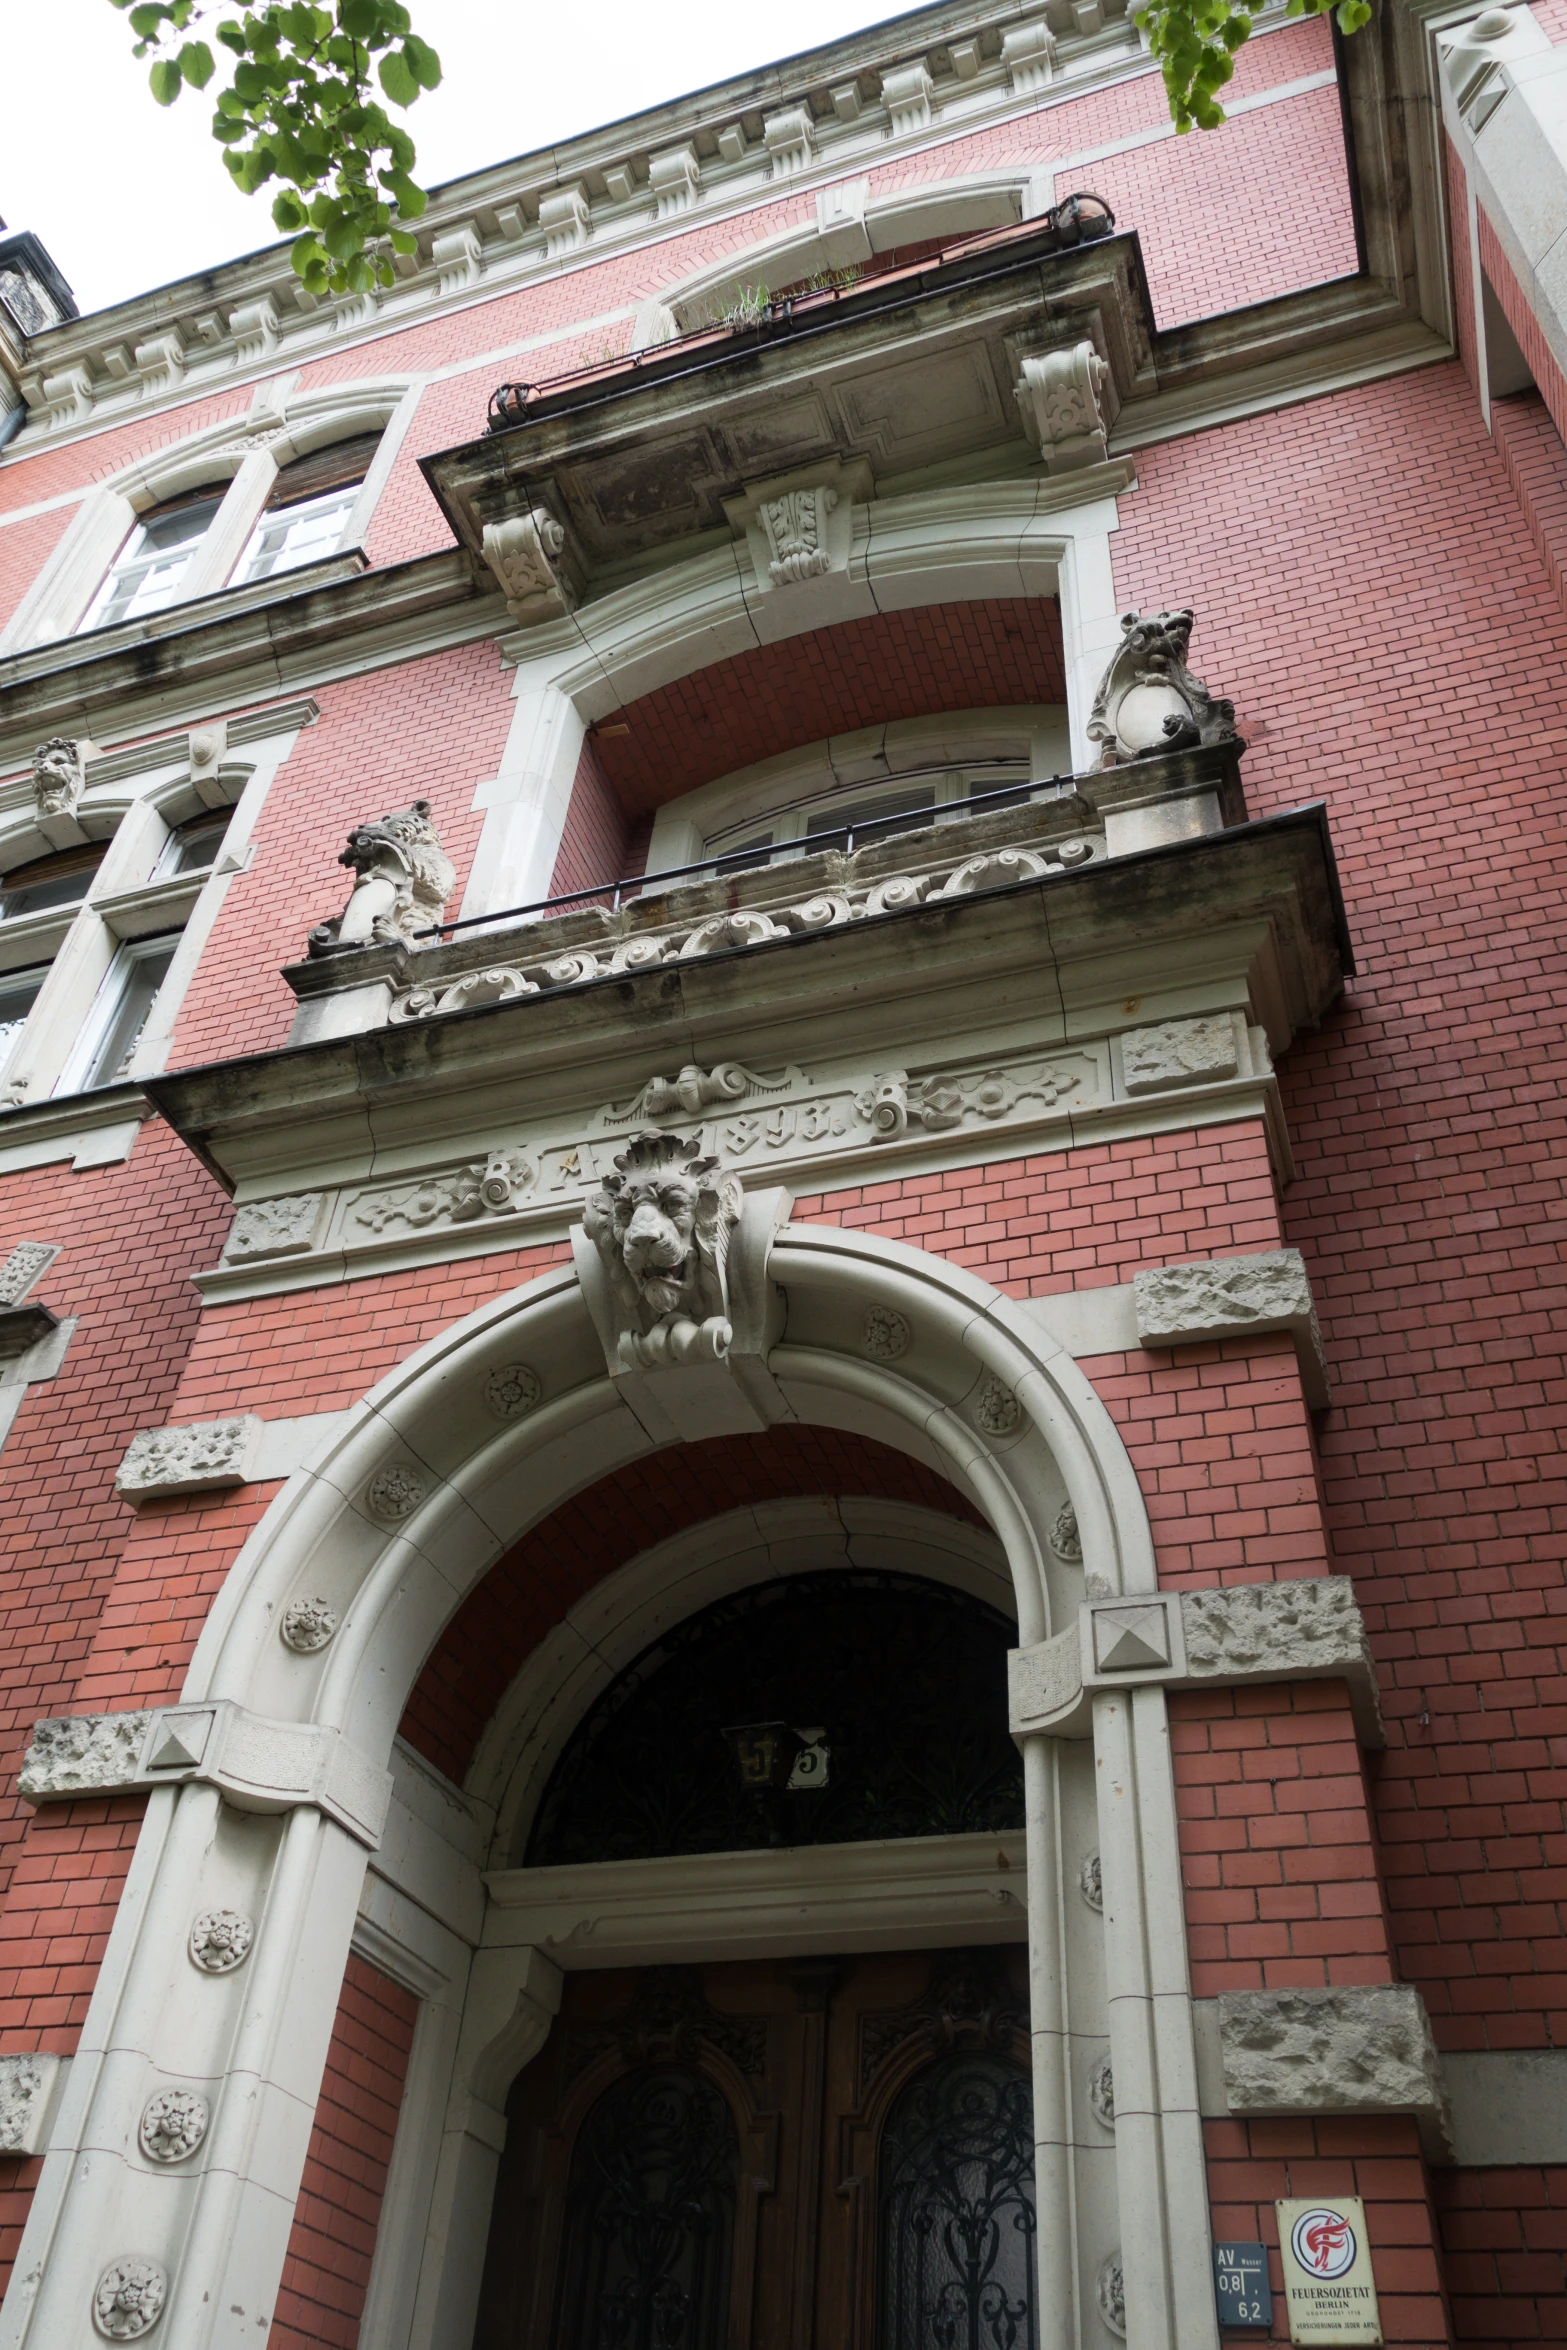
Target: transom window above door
[{"x": 840, "y": 1707}]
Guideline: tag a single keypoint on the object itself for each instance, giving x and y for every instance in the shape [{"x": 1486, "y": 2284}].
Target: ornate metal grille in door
[
  {"x": 956, "y": 2210},
  {"x": 649, "y": 2221}
]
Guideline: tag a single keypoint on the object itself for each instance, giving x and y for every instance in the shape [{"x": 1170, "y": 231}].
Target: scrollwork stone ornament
[
  {"x": 886, "y": 1335},
  {"x": 512, "y": 1391},
  {"x": 1090, "y": 1882},
  {"x": 662, "y": 1223},
  {"x": 307, "y": 1626},
  {"x": 1110, "y": 2291},
  {"x": 220, "y": 1940},
  {"x": 997, "y": 1411},
  {"x": 128, "y": 2299},
  {"x": 1101, "y": 2091},
  {"x": 394, "y": 1493},
  {"x": 173, "y": 2124}
]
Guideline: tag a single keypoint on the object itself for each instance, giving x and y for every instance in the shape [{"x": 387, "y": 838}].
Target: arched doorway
[{"x": 834, "y": 2145}]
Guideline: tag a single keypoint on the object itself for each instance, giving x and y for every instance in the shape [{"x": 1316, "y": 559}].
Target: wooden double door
[{"x": 817, "y": 2154}]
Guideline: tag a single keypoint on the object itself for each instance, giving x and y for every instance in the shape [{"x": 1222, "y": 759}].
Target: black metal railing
[{"x": 748, "y": 860}]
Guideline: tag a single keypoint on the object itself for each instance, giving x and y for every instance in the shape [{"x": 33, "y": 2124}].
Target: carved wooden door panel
[{"x": 822, "y": 2154}]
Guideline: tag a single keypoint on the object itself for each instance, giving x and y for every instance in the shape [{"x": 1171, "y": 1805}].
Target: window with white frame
[
  {"x": 304, "y": 517},
  {"x": 193, "y": 847},
  {"x": 153, "y": 563},
  {"x": 120, "y": 1012},
  {"x": 907, "y": 803},
  {"x": 18, "y": 994},
  {"x": 307, "y": 509},
  {"x": 48, "y": 884}
]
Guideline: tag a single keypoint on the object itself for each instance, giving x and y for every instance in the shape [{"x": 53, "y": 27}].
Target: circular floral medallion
[
  {"x": 129, "y": 2298},
  {"x": 887, "y": 1334},
  {"x": 394, "y": 1492},
  {"x": 1112, "y": 2295},
  {"x": 512, "y": 1391},
  {"x": 307, "y": 1625},
  {"x": 997, "y": 1410},
  {"x": 220, "y": 1940},
  {"x": 1065, "y": 1539},
  {"x": 1090, "y": 1883},
  {"x": 1101, "y": 2091},
  {"x": 173, "y": 2124}
]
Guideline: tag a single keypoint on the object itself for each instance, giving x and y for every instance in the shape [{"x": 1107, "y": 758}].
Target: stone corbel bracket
[
  {"x": 1309, "y": 1629},
  {"x": 1346, "y": 2049},
  {"x": 737, "y": 1396},
  {"x": 1069, "y": 403},
  {"x": 1231, "y": 1297},
  {"x": 799, "y": 529},
  {"x": 535, "y": 565},
  {"x": 257, "y": 1764}
]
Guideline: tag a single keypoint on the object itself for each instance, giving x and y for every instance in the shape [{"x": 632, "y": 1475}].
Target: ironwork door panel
[{"x": 830, "y": 2154}]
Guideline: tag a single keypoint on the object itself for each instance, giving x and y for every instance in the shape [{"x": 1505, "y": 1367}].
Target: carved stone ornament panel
[
  {"x": 1110, "y": 2291},
  {"x": 204, "y": 1457},
  {"x": 512, "y": 1391},
  {"x": 527, "y": 554},
  {"x": 887, "y": 1334},
  {"x": 79, "y": 1753},
  {"x": 1101, "y": 2091},
  {"x": 402, "y": 880},
  {"x": 25, "y": 1265},
  {"x": 128, "y": 2299},
  {"x": 661, "y": 1222},
  {"x": 220, "y": 1940},
  {"x": 997, "y": 1411},
  {"x": 173, "y": 2124},
  {"x": 1065, "y": 1539},
  {"x": 274, "y": 1228},
  {"x": 1180, "y": 1052},
  {"x": 26, "y": 2084},
  {"x": 1066, "y": 399},
  {"x": 395, "y": 1492},
  {"x": 307, "y": 1626},
  {"x": 1090, "y": 1882}
]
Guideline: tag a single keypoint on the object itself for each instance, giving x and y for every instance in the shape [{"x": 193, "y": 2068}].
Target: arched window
[
  {"x": 832, "y": 1708},
  {"x": 955, "y": 2210},
  {"x": 307, "y": 507},
  {"x": 648, "y": 2241},
  {"x": 152, "y": 567}
]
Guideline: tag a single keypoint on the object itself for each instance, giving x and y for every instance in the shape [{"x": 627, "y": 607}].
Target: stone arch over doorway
[{"x": 397, "y": 1519}]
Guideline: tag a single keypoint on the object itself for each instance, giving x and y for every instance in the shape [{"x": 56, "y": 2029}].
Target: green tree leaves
[
  {"x": 300, "y": 108},
  {"x": 1194, "y": 44}
]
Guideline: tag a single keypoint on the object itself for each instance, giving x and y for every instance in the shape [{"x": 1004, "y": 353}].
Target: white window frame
[
  {"x": 77, "y": 1075},
  {"x": 245, "y": 452},
  {"x": 134, "y": 556}
]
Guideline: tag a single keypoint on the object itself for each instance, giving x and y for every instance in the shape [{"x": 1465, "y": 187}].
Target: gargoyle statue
[
  {"x": 1149, "y": 702},
  {"x": 402, "y": 880},
  {"x": 662, "y": 1225}
]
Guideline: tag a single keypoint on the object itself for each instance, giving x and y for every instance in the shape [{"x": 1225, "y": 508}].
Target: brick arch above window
[{"x": 1004, "y": 651}]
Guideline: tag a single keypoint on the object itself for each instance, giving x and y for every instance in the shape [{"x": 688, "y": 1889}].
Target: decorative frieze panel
[
  {"x": 27, "y": 2087},
  {"x": 27, "y": 1263}
]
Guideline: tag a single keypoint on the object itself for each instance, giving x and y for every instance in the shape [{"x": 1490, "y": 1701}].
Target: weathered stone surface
[
  {"x": 81, "y": 1754},
  {"x": 200, "y": 1458},
  {"x": 26, "y": 2087},
  {"x": 273, "y": 1228},
  {"x": 1179, "y": 1052},
  {"x": 22, "y": 1267},
  {"x": 1309, "y": 1628},
  {"x": 1359, "y": 2049},
  {"x": 1227, "y": 1297}
]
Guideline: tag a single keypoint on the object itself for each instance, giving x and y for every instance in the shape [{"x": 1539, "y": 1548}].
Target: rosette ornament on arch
[{"x": 662, "y": 1224}]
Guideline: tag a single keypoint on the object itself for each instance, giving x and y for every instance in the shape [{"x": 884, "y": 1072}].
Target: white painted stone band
[
  {"x": 1306, "y": 1629},
  {"x": 258, "y": 1765}
]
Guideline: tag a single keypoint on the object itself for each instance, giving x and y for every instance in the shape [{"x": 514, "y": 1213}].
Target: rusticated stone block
[
  {"x": 201, "y": 1458},
  {"x": 1356, "y": 2049},
  {"x": 1179, "y": 1052},
  {"x": 1307, "y": 1629},
  {"x": 82, "y": 1754},
  {"x": 1228, "y": 1297}
]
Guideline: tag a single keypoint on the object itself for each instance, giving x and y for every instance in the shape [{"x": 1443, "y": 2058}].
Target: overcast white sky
[{"x": 127, "y": 196}]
